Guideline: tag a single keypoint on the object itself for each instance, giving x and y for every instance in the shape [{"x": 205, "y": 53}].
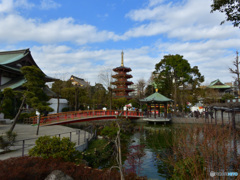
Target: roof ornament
[{"x": 122, "y": 59}]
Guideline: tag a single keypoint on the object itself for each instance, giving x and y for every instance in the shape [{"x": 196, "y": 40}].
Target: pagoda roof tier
[
  {"x": 122, "y": 75},
  {"x": 122, "y": 82},
  {"x": 124, "y": 89},
  {"x": 122, "y": 68}
]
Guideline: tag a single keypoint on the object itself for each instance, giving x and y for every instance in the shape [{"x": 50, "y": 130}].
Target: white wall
[{"x": 53, "y": 104}]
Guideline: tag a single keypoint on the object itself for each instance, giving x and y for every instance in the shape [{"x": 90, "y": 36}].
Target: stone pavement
[{"x": 26, "y": 131}]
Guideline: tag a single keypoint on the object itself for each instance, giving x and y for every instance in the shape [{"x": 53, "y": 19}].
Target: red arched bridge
[{"x": 83, "y": 116}]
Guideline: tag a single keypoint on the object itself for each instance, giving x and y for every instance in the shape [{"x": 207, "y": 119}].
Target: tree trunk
[
  {"x": 118, "y": 144},
  {"x": 58, "y": 104},
  {"x": 18, "y": 114}
]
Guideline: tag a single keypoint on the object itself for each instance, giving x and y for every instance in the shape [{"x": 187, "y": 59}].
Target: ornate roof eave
[
  {"x": 122, "y": 68},
  {"x": 122, "y": 75},
  {"x": 123, "y": 89},
  {"x": 123, "y": 82},
  {"x": 156, "y": 97},
  {"x": 13, "y": 84},
  {"x": 10, "y": 69},
  {"x": 219, "y": 87}
]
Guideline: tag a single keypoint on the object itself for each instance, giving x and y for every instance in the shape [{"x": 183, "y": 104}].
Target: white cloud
[
  {"x": 10, "y": 6},
  {"x": 24, "y": 4},
  {"x": 15, "y": 28},
  {"x": 55, "y": 60},
  {"x": 49, "y": 4},
  {"x": 155, "y": 2},
  {"x": 6, "y": 6},
  {"x": 185, "y": 20}
]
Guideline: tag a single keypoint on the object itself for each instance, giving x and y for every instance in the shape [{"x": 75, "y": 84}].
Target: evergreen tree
[{"x": 33, "y": 94}]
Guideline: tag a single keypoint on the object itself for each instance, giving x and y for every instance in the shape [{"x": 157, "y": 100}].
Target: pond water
[
  {"x": 155, "y": 141},
  {"x": 150, "y": 147}
]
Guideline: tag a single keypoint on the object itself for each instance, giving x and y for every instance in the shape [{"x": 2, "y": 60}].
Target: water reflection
[{"x": 194, "y": 149}]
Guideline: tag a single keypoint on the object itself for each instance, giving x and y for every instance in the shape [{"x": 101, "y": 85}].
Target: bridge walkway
[{"x": 82, "y": 116}]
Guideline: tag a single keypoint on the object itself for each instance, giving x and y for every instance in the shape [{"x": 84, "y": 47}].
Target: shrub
[
  {"x": 109, "y": 131},
  {"x": 5, "y": 143},
  {"x": 55, "y": 147},
  {"x": 29, "y": 168},
  {"x": 66, "y": 109}
]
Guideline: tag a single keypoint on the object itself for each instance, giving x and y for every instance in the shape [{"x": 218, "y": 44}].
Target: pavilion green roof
[{"x": 156, "y": 97}]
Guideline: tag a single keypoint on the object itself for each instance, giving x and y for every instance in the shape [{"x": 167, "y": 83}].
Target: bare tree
[
  {"x": 119, "y": 153},
  {"x": 236, "y": 71},
  {"x": 141, "y": 83},
  {"x": 105, "y": 77}
]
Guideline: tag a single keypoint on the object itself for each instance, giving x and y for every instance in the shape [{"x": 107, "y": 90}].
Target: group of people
[{"x": 198, "y": 114}]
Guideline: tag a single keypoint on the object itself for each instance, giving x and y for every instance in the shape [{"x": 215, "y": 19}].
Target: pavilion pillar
[
  {"x": 155, "y": 110},
  {"x": 150, "y": 113},
  {"x": 147, "y": 111},
  {"x": 159, "y": 110},
  {"x": 165, "y": 110}
]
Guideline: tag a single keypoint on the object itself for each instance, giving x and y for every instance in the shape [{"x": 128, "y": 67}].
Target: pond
[
  {"x": 210, "y": 148},
  {"x": 181, "y": 150}
]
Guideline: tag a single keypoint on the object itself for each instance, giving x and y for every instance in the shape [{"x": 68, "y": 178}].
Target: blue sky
[{"x": 84, "y": 38}]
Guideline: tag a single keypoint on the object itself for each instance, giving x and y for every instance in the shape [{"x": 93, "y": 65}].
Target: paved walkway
[{"x": 29, "y": 132}]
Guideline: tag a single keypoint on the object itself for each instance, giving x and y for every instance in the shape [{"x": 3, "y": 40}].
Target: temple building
[
  {"x": 122, "y": 83},
  {"x": 10, "y": 65},
  {"x": 79, "y": 82}
]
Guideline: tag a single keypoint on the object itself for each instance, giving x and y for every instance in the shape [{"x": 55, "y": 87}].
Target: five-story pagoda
[{"x": 122, "y": 83}]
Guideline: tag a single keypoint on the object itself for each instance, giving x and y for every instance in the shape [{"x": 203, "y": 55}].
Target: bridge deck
[{"x": 81, "y": 116}]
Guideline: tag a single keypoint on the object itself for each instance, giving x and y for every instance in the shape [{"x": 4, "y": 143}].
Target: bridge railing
[{"x": 81, "y": 115}]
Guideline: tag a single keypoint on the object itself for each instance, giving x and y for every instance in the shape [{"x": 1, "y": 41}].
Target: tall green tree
[
  {"x": 230, "y": 7},
  {"x": 120, "y": 103},
  {"x": 99, "y": 96},
  {"x": 8, "y": 103},
  {"x": 33, "y": 94},
  {"x": 173, "y": 71}
]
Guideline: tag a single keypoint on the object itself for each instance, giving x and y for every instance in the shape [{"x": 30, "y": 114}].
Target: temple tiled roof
[
  {"x": 79, "y": 81},
  {"x": 217, "y": 84},
  {"x": 7, "y": 57},
  {"x": 11, "y": 63},
  {"x": 13, "y": 84}
]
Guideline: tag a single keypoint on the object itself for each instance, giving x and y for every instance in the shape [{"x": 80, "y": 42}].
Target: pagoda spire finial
[{"x": 122, "y": 59}]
